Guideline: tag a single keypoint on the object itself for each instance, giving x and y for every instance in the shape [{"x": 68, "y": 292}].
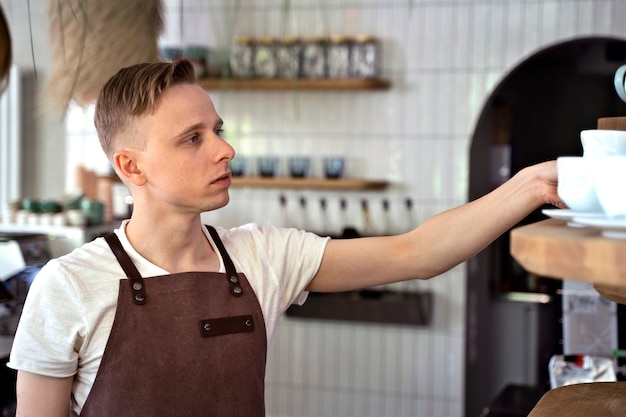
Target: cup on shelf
[
  {"x": 238, "y": 166},
  {"x": 46, "y": 219},
  {"x": 171, "y": 53},
  {"x": 299, "y": 166},
  {"x": 76, "y": 217},
  {"x": 598, "y": 142},
  {"x": 93, "y": 211},
  {"x": 8, "y": 216},
  {"x": 576, "y": 184},
  {"x": 59, "y": 219},
  {"x": 333, "y": 167},
  {"x": 609, "y": 175},
  {"x": 268, "y": 166},
  {"x": 31, "y": 204}
]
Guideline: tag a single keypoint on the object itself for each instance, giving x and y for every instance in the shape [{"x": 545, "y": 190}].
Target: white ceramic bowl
[
  {"x": 576, "y": 184},
  {"x": 598, "y": 142},
  {"x": 610, "y": 184}
]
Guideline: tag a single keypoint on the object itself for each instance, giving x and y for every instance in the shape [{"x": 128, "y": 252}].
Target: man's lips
[{"x": 222, "y": 179}]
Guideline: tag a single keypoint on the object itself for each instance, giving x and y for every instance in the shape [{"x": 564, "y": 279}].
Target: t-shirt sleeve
[
  {"x": 283, "y": 257},
  {"x": 48, "y": 336},
  {"x": 297, "y": 264}
]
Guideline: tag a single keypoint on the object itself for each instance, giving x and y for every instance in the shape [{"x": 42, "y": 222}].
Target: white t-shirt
[{"x": 71, "y": 304}]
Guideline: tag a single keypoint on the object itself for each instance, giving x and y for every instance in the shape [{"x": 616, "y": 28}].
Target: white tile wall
[{"x": 444, "y": 58}]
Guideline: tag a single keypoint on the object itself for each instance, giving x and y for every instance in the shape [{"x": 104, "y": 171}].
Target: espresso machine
[{"x": 22, "y": 255}]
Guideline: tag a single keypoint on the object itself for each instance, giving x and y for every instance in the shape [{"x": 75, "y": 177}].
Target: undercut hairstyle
[{"x": 131, "y": 93}]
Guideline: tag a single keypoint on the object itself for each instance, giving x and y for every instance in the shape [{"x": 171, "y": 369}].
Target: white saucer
[
  {"x": 613, "y": 228},
  {"x": 569, "y": 215}
]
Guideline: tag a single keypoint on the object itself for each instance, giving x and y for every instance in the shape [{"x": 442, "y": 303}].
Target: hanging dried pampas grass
[{"x": 93, "y": 39}]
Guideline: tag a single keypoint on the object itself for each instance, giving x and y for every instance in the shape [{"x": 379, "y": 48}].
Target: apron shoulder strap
[
  {"x": 134, "y": 277},
  {"x": 231, "y": 271}
]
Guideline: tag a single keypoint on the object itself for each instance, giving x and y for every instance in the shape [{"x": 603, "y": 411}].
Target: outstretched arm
[{"x": 441, "y": 242}]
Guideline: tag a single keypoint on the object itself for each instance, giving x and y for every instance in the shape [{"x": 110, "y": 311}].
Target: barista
[{"x": 167, "y": 316}]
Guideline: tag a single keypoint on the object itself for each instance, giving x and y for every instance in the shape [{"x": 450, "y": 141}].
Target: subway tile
[
  {"x": 415, "y": 45},
  {"x": 425, "y": 375},
  {"x": 619, "y": 10},
  {"x": 549, "y": 20},
  {"x": 566, "y": 21},
  {"x": 532, "y": 35},
  {"x": 479, "y": 34},
  {"x": 462, "y": 42},
  {"x": 516, "y": 32},
  {"x": 604, "y": 15},
  {"x": 435, "y": 29}
]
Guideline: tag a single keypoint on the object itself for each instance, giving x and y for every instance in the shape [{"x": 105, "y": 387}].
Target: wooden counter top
[{"x": 553, "y": 249}]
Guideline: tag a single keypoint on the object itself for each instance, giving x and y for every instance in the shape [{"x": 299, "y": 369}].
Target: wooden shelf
[
  {"x": 369, "y": 306},
  {"x": 299, "y": 183},
  {"x": 551, "y": 248},
  {"x": 294, "y": 84},
  {"x": 309, "y": 183}
]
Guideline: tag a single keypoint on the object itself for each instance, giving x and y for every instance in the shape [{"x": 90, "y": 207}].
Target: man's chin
[{"x": 219, "y": 205}]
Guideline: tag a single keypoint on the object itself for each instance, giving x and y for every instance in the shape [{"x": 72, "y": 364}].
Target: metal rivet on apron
[
  {"x": 139, "y": 297},
  {"x": 207, "y": 326},
  {"x": 234, "y": 279},
  {"x": 248, "y": 323},
  {"x": 137, "y": 286},
  {"x": 237, "y": 290}
]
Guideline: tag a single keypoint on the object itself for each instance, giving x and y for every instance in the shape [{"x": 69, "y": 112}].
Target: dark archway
[{"x": 535, "y": 114}]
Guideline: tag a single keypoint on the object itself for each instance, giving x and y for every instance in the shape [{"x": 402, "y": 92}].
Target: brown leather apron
[{"x": 188, "y": 344}]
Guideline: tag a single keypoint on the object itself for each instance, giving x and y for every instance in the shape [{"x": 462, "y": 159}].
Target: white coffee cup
[
  {"x": 598, "y": 142},
  {"x": 576, "y": 184},
  {"x": 609, "y": 175}
]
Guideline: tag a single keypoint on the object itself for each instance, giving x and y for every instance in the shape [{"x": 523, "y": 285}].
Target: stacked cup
[
  {"x": 606, "y": 151},
  {"x": 593, "y": 183}
]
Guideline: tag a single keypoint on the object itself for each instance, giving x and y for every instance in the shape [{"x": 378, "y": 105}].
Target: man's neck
[{"x": 176, "y": 246}]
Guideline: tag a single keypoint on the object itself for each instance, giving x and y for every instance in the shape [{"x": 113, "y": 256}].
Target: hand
[{"x": 548, "y": 177}]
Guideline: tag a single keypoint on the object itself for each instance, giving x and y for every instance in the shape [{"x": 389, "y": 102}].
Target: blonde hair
[{"x": 131, "y": 93}]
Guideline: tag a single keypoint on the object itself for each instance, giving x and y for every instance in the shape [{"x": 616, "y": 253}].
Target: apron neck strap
[
  {"x": 134, "y": 277},
  {"x": 136, "y": 281},
  {"x": 231, "y": 271}
]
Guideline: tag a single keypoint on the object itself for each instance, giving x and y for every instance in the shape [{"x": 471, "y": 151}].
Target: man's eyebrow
[
  {"x": 197, "y": 126},
  {"x": 189, "y": 129}
]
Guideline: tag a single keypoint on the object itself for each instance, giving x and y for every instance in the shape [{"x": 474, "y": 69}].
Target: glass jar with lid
[
  {"x": 314, "y": 58},
  {"x": 288, "y": 57},
  {"x": 265, "y": 65},
  {"x": 338, "y": 57},
  {"x": 241, "y": 57},
  {"x": 365, "y": 57}
]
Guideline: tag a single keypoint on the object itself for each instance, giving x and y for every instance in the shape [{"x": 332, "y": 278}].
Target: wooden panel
[
  {"x": 367, "y": 306},
  {"x": 551, "y": 248},
  {"x": 606, "y": 399},
  {"x": 612, "y": 123},
  {"x": 309, "y": 183},
  {"x": 300, "y": 183}
]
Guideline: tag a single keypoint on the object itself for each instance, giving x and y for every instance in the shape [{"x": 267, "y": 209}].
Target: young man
[{"x": 169, "y": 317}]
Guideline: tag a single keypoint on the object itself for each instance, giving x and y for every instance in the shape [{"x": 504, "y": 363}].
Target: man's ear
[{"x": 125, "y": 162}]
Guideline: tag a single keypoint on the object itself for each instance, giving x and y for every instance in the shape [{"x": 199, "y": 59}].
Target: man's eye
[
  {"x": 193, "y": 139},
  {"x": 219, "y": 132}
]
